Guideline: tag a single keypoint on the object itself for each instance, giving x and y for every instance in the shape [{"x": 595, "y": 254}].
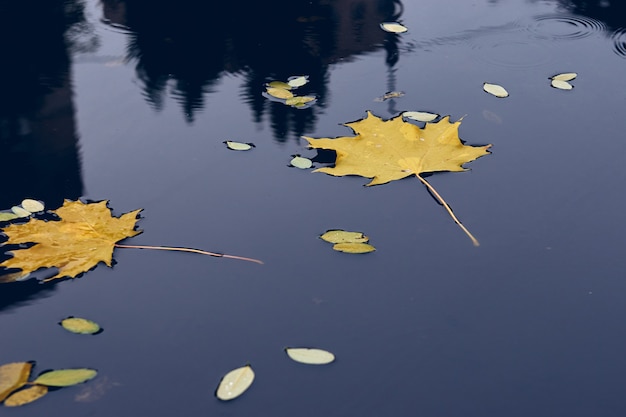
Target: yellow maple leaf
[
  {"x": 85, "y": 236},
  {"x": 388, "y": 150}
]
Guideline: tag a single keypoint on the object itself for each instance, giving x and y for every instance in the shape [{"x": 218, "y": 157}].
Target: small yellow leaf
[
  {"x": 343, "y": 236},
  {"x": 310, "y": 356},
  {"x": 496, "y": 90},
  {"x": 561, "y": 85},
  {"x": 298, "y": 101},
  {"x": 354, "y": 247},
  {"x": 279, "y": 84},
  {"x": 33, "y": 206},
  {"x": 13, "y": 376},
  {"x": 393, "y": 27},
  {"x": 5, "y": 216},
  {"x": 279, "y": 92},
  {"x": 298, "y": 81},
  {"x": 300, "y": 162},
  {"x": 235, "y": 383},
  {"x": 420, "y": 116},
  {"x": 566, "y": 76},
  {"x": 20, "y": 212},
  {"x": 26, "y": 396},
  {"x": 238, "y": 146},
  {"x": 80, "y": 325},
  {"x": 65, "y": 377}
]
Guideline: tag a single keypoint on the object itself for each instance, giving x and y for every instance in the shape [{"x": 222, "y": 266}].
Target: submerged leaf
[
  {"x": 238, "y": 146},
  {"x": 80, "y": 325},
  {"x": 26, "y": 396},
  {"x": 279, "y": 92},
  {"x": 420, "y": 116},
  {"x": 566, "y": 76},
  {"x": 353, "y": 247},
  {"x": 393, "y": 27},
  {"x": 235, "y": 383},
  {"x": 13, "y": 376},
  {"x": 300, "y": 162},
  {"x": 298, "y": 81},
  {"x": 66, "y": 377},
  {"x": 561, "y": 85},
  {"x": 343, "y": 236},
  {"x": 310, "y": 356},
  {"x": 390, "y": 94},
  {"x": 33, "y": 206},
  {"x": 496, "y": 90}
]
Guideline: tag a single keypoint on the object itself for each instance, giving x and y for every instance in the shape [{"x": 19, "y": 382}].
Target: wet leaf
[
  {"x": 298, "y": 101},
  {"x": 26, "y": 396},
  {"x": 561, "y": 85},
  {"x": 393, "y": 27},
  {"x": 33, "y": 206},
  {"x": 80, "y": 326},
  {"x": 20, "y": 212},
  {"x": 235, "y": 383},
  {"x": 5, "y": 216},
  {"x": 238, "y": 146},
  {"x": 566, "y": 76},
  {"x": 353, "y": 247},
  {"x": 300, "y": 162},
  {"x": 389, "y": 95},
  {"x": 420, "y": 116},
  {"x": 65, "y": 377},
  {"x": 13, "y": 376},
  {"x": 280, "y": 85},
  {"x": 310, "y": 356},
  {"x": 496, "y": 90},
  {"x": 343, "y": 236},
  {"x": 279, "y": 92},
  {"x": 85, "y": 236},
  {"x": 298, "y": 81}
]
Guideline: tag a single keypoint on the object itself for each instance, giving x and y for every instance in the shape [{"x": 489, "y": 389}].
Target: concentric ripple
[
  {"x": 619, "y": 42},
  {"x": 565, "y": 27}
]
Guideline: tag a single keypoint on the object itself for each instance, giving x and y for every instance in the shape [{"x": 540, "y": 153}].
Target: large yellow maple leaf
[
  {"x": 85, "y": 236},
  {"x": 388, "y": 150}
]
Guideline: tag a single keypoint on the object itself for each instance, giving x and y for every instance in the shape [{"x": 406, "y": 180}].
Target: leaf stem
[
  {"x": 442, "y": 201},
  {"x": 191, "y": 250}
]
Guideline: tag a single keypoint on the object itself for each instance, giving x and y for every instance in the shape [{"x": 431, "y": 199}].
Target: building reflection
[{"x": 185, "y": 49}]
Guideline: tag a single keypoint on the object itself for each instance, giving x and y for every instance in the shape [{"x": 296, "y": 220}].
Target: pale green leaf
[
  {"x": 279, "y": 92},
  {"x": 26, "y": 396},
  {"x": 13, "y": 376},
  {"x": 496, "y": 90},
  {"x": 300, "y": 162},
  {"x": 280, "y": 85},
  {"x": 420, "y": 116},
  {"x": 310, "y": 356},
  {"x": 80, "y": 325},
  {"x": 33, "y": 206},
  {"x": 235, "y": 383},
  {"x": 5, "y": 216},
  {"x": 238, "y": 146},
  {"x": 354, "y": 247},
  {"x": 343, "y": 236},
  {"x": 561, "y": 85},
  {"x": 65, "y": 377},
  {"x": 393, "y": 27},
  {"x": 298, "y": 101},
  {"x": 20, "y": 212},
  {"x": 566, "y": 76},
  {"x": 298, "y": 81}
]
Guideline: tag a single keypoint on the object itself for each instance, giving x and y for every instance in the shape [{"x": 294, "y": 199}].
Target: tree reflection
[{"x": 184, "y": 49}]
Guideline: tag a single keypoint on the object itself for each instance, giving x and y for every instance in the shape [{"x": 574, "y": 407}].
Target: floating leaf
[
  {"x": 20, "y": 212},
  {"x": 279, "y": 92},
  {"x": 496, "y": 90},
  {"x": 239, "y": 146},
  {"x": 26, "y": 396},
  {"x": 80, "y": 325},
  {"x": 298, "y": 81},
  {"x": 235, "y": 383},
  {"x": 353, "y": 247},
  {"x": 66, "y": 377},
  {"x": 5, "y": 216},
  {"x": 85, "y": 236},
  {"x": 566, "y": 76},
  {"x": 13, "y": 376},
  {"x": 310, "y": 356},
  {"x": 394, "y": 149},
  {"x": 393, "y": 27},
  {"x": 299, "y": 101},
  {"x": 300, "y": 162},
  {"x": 33, "y": 206},
  {"x": 343, "y": 236},
  {"x": 279, "y": 84},
  {"x": 420, "y": 116},
  {"x": 561, "y": 85}
]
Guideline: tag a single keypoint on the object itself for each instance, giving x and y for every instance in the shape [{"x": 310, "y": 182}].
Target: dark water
[{"x": 130, "y": 101}]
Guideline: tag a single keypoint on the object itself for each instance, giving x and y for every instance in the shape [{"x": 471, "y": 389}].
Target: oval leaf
[
  {"x": 420, "y": 116},
  {"x": 20, "y": 212},
  {"x": 393, "y": 27},
  {"x": 354, "y": 247},
  {"x": 566, "y": 76},
  {"x": 65, "y": 377},
  {"x": 298, "y": 81},
  {"x": 26, "y": 396},
  {"x": 13, "y": 376},
  {"x": 235, "y": 383},
  {"x": 33, "y": 206},
  {"x": 561, "y": 85},
  {"x": 298, "y": 101},
  {"x": 80, "y": 325},
  {"x": 5, "y": 216},
  {"x": 343, "y": 236},
  {"x": 279, "y": 92},
  {"x": 238, "y": 146},
  {"x": 496, "y": 90},
  {"x": 300, "y": 162},
  {"x": 310, "y": 356},
  {"x": 279, "y": 84}
]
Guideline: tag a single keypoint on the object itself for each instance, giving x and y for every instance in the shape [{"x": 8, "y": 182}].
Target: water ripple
[
  {"x": 565, "y": 27},
  {"x": 619, "y": 42}
]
